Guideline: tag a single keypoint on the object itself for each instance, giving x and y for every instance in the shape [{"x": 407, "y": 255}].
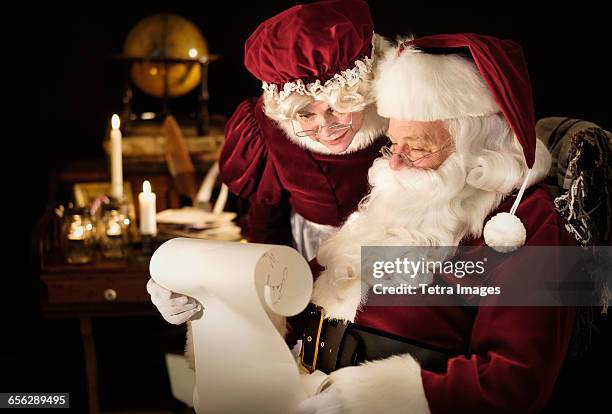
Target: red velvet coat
[
  {"x": 258, "y": 162},
  {"x": 510, "y": 356}
]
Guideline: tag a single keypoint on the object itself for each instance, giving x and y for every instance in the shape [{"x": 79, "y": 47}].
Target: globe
[{"x": 165, "y": 36}]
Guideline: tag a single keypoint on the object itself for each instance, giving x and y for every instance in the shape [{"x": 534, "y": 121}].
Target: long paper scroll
[{"x": 242, "y": 363}]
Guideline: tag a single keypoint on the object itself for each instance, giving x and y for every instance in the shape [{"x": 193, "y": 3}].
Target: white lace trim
[{"x": 348, "y": 77}]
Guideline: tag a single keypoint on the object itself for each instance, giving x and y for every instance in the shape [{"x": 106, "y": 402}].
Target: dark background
[
  {"x": 76, "y": 84},
  {"x": 63, "y": 85}
]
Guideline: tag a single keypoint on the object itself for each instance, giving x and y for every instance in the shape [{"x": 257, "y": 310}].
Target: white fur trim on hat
[
  {"x": 385, "y": 386},
  {"x": 424, "y": 87}
]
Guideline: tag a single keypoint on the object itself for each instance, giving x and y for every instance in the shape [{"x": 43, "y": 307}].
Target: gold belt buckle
[{"x": 311, "y": 368}]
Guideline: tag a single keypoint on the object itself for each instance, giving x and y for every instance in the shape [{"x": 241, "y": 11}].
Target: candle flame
[
  {"x": 146, "y": 187},
  {"x": 77, "y": 233},
  {"x": 115, "y": 121},
  {"x": 114, "y": 229}
]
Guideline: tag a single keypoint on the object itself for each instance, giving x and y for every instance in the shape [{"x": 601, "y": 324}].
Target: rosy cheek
[{"x": 431, "y": 163}]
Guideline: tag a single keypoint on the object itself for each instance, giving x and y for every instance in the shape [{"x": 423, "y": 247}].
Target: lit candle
[
  {"x": 114, "y": 229},
  {"x": 116, "y": 159},
  {"x": 77, "y": 231},
  {"x": 146, "y": 200},
  {"x": 78, "y": 248}
]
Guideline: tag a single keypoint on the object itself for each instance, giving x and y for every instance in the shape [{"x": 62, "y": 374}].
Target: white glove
[
  {"x": 326, "y": 402},
  {"x": 174, "y": 307}
]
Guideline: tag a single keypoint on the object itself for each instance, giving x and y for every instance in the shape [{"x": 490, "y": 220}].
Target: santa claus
[{"x": 462, "y": 169}]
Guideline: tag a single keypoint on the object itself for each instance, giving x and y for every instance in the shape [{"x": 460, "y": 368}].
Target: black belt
[{"x": 328, "y": 345}]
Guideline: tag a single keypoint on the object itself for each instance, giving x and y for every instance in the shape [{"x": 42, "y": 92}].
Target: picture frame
[{"x": 86, "y": 193}]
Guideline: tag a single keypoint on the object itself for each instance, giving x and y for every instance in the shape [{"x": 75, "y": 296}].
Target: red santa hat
[
  {"x": 428, "y": 79},
  {"x": 312, "y": 48}
]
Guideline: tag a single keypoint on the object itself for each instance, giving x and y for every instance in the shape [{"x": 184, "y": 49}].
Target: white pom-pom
[{"x": 504, "y": 233}]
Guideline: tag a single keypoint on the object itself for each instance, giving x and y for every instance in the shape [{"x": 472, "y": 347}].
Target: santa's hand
[
  {"x": 174, "y": 307},
  {"x": 326, "y": 402}
]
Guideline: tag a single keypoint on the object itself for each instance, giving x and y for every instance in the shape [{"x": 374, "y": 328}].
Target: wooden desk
[{"x": 103, "y": 288}]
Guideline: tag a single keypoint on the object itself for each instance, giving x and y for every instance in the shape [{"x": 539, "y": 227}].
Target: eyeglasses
[
  {"x": 387, "y": 153},
  {"x": 331, "y": 129}
]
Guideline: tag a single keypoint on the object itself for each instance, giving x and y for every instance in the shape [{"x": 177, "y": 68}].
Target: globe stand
[{"x": 202, "y": 117}]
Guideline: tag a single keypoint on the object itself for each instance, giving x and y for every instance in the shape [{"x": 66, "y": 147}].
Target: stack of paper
[{"x": 197, "y": 223}]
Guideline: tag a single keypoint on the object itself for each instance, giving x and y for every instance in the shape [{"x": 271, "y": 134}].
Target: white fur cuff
[{"x": 384, "y": 386}]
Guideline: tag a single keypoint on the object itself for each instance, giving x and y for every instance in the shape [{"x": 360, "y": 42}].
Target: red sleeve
[
  {"x": 270, "y": 223},
  {"x": 244, "y": 162},
  {"x": 516, "y": 353},
  {"x": 516, "y": 356},
  {"x": 249, "y": 172}
]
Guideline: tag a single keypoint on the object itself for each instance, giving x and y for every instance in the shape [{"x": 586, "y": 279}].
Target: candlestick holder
[
  {"x": 77, "y": 236},
  {"x": 114, "y": 229},
  {"x": 148, "y": 244}
]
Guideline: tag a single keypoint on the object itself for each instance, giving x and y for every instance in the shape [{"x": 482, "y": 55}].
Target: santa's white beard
[
  {"x": 409, "y": 207},
  {"x": 413, "y": 207}
]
